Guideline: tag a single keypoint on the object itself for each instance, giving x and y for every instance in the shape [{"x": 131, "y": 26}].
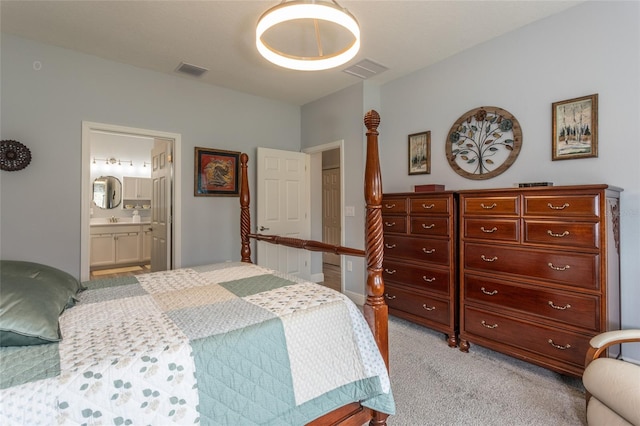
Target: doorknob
[{"x": 262, "y": 228}]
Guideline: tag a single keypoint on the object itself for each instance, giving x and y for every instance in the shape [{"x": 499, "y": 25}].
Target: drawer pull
[
  {"x": 428, "y": 226},
  {"x": 428, "y": 308},
  {"x": 430, "y": 206},
  {"x": 484, "y": 324},
  {"x": 564, "y": 234},
  {"x": 389, "y": 297},
  {"x": 561, "y": 308},
  {"x": 562, "y": 207},
  {"x": 558, "y": 268},
  {"x": 489, "y": 207},
  {"x": 389, "y": 246},
  {"x": 490, "y": 293},
  {"x": 428, "y": 251},
  {"x": 488, "y": 231},
  {"x": 390, "y": 272},
  {"x": 562, "y": 348},
  {"x": 389, "y": 206},
  {"x": 389, "y": 224},
  {"x": 429, "y": 280},
  {"x": 486, "y": 259}
]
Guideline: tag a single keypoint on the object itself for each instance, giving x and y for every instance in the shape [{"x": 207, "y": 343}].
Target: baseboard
[{"x": 317, "y": 278}]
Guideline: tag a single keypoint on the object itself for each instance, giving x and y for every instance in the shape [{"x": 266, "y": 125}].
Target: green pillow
[{"x": 32, "y": 297}]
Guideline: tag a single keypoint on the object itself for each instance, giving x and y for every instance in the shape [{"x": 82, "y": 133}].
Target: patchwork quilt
[{"x": 228, "y": 344}]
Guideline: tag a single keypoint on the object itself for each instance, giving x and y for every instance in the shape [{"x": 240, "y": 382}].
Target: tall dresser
[
  {"x": 539, "y": 271},
  {"x": 419, "y": 266}
]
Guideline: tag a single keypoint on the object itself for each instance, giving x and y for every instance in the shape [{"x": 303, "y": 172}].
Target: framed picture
[
  {"x": 420, "y": 153},
  {"x": 216, "y": 173},
  {"x": 575, "y": 128}
]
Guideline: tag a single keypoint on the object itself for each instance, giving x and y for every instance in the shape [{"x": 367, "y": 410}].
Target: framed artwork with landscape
[
  {"x": 216, "y": 173},
  {"x": 420, "y": 153},
  {"x": 575, "y": 128}
]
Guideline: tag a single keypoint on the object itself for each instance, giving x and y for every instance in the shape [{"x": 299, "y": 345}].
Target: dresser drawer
[
  {"x": 394, "y": 205},
  {"x": 433, "y": 309},
  {"x": 561, "y": 205},
  {"x": 397, "y": 224},
  {"x": 417, "y": 249},
  {"x": 430, "y": 205},
  {"x": 507, "y": 205},
  {"x": 429, "y": 279},
  {"x": 568, "y": 308},
  {"x": 491, "y": 229},
  {"x": 574, "y": 234},
  {"x": 430, "y": 226},
  {"x": 548, "y": 342},
  {"x": 578, "y": 270}
]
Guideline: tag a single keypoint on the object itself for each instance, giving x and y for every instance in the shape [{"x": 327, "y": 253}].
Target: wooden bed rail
[{"x": 310, "y": 245}]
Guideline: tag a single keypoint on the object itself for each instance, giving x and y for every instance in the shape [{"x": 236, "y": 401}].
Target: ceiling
[{"x": 403, "y": 36}]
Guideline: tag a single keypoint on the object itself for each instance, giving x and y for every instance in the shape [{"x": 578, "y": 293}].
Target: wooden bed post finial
[{"x": 245, "y": 216}]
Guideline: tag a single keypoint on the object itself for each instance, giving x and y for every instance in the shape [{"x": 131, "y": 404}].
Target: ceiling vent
[
  {"x": 192, "y": 70},
  {"x": 365, "y": 69}
]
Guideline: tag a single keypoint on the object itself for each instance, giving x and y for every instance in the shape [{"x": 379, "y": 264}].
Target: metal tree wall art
[{"x": 483, "y": 143}]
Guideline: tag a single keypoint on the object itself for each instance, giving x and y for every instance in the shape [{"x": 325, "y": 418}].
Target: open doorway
[{"x": 124, "y": 154}]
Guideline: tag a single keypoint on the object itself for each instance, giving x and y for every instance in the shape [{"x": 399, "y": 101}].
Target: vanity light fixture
[
  {"x": 109, "y": 161},
  {"x": 313, "y": 11}
]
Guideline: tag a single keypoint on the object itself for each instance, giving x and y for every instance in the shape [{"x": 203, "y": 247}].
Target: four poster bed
[{"x": 225, "y": 344}]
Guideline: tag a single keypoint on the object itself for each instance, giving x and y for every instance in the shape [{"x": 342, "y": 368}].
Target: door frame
[
  {"x": 317, "y": 150},
  {"x": 85, "y": 199}
]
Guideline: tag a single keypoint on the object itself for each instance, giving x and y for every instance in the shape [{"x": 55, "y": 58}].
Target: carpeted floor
[{"x": 434, "y": 384}]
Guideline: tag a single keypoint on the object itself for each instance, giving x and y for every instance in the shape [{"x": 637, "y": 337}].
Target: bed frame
[{"x": 375, "y": 308}]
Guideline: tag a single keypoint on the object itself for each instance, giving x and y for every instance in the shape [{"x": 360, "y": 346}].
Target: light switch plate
[{"x": 350, "y": 211}]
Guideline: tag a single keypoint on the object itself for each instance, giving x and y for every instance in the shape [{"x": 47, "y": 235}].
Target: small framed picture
[
  {"x": 575, "y": 128},
  {"x": 420, "y": 153},
  {"x": 216, "y": 173}
]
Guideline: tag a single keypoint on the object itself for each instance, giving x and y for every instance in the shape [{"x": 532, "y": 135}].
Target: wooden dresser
[
  {"x": 539, "y": 271},
  {"x": 419, "y": 266}
]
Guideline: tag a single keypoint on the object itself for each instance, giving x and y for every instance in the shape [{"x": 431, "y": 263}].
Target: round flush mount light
[{"x": 314, "y": 12}]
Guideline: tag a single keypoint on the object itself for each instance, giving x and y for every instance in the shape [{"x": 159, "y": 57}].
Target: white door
[
  {"x": 160, "y": 206},
  {"x": 331, "y": 213},
  {"x": 283, "y": 209}
]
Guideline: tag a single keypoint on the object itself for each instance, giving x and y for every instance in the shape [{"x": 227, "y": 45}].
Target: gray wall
[{"x": 43, "y": 107}]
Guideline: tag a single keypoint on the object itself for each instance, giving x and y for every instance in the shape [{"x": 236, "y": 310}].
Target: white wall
[
  {"x": 591, "y": 48},
  {"x": 46, "y": 94}
]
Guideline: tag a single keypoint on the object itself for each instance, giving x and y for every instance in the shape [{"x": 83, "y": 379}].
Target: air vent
[
  {"x": 365, "y": 69},
  {"x": 190, "y": 69}
]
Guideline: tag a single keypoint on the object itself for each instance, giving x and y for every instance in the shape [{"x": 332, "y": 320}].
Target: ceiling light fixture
[{"x": 316, "y": 11}]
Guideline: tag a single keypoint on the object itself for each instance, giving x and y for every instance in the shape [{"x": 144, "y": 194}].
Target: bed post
[
  {"x": 245, "y": 216},
  {"x": 375, "y": 308}
]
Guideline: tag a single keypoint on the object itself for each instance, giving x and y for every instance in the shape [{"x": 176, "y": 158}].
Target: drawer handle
[
  {"x": 562, "y": 207},
  {"x": 430, "y": 206},
  {"x": 484, "y": 324},
  {"x": 490, "y": 293},
  {"x": 488, "y": 231},
  {"x": 389, "y": 206},
  {"x": 428, "y": 308},
  {"x": 564, "y": 234},
  {"x": 558, "y": 268},
  {"x": 486, "y": 259},
  {"x": 489, "y": 207},
  {"x": 561, "y": 308},
  {"x": 429, "y": 280},
  {"x": 428, "y": 251},
  {"x": 562, "y": 348},
  {"x": 390, "y": 272},
  {"x": 389, "y": 246},
  {"x": 428, "y": 226},
  {"x": 389, "y": 224},
  {"x": 389, "y": 297}
]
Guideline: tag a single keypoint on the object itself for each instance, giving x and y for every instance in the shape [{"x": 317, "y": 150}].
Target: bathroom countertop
[{"x": 121, "y": 221}]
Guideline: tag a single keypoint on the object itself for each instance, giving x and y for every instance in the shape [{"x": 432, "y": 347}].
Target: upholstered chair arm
[{"x": 602, "y": 341}]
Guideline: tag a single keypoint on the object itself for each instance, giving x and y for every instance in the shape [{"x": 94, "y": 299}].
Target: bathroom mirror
[{"x": 107, "y": 192}]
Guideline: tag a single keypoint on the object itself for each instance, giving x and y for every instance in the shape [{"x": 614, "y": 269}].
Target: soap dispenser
[{"x": 136, "y": 217}]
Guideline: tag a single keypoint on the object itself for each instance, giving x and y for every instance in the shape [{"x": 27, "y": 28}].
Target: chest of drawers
[
  {"x": 419, "y": 267},
  {"x": 539, "y": 271}
]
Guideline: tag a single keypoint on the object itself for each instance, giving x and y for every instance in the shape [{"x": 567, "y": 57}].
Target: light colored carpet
[{"x": 434, "y": 384}]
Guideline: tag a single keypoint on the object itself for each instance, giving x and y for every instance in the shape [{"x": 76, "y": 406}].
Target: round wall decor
[
  {"x": 13, "y": 155},
  {"x": 483, "y": 143}
]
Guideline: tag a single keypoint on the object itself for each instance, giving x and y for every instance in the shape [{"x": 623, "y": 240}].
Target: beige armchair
[{"x": 613, "y": 386}]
